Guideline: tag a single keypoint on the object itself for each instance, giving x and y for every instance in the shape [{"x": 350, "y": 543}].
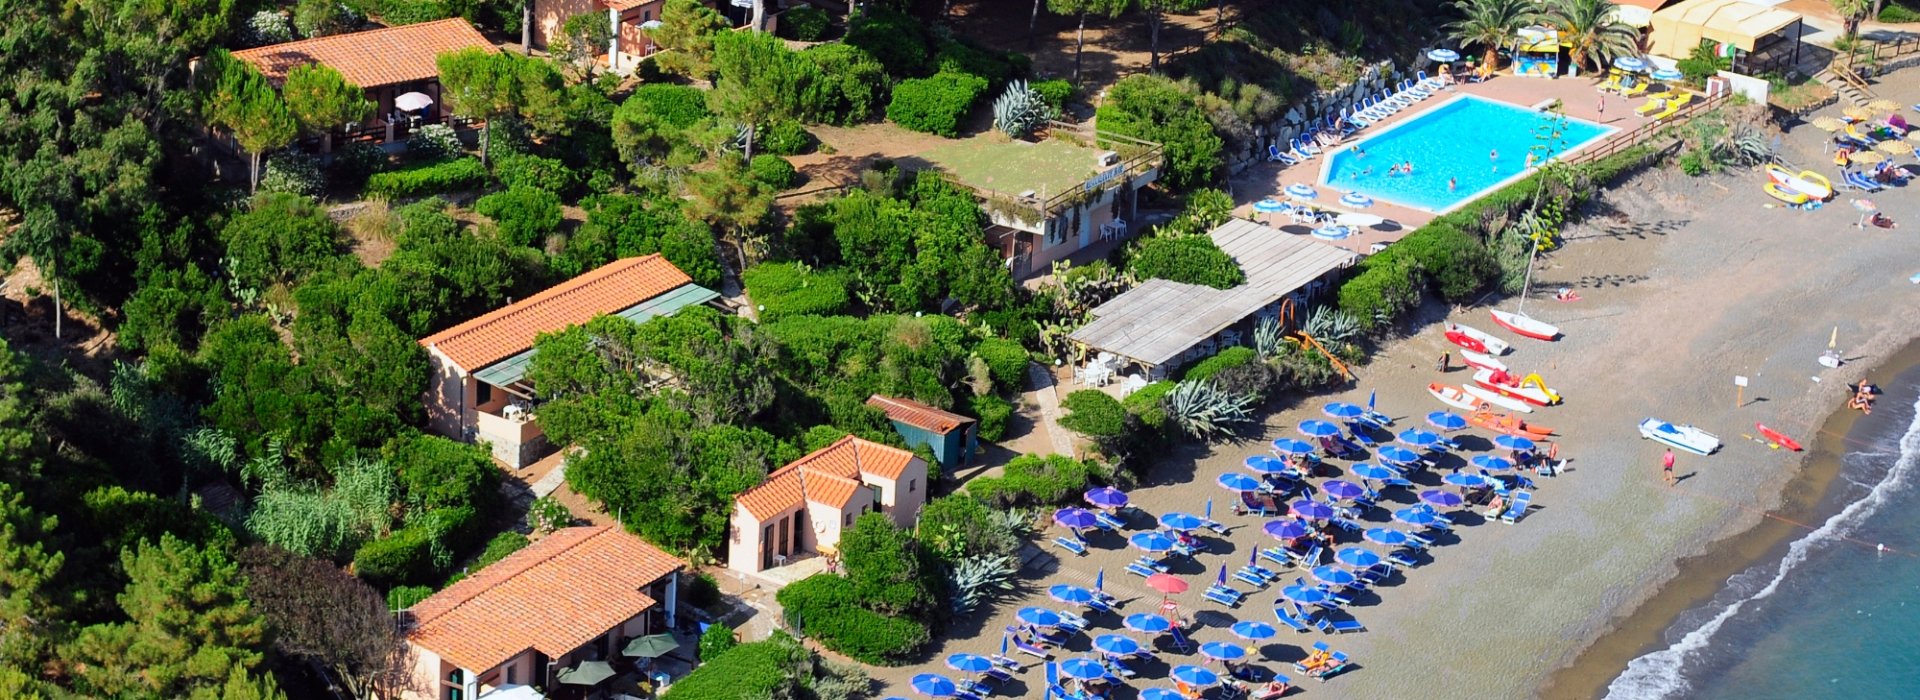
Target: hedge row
[
  {"x": 1034, "y": 480},
  {"x": 784, "y": 289},
  {"x": 935, "y": 105},
  {"x": 827, "y": 608},
  {"x": 431, "y": 178}
]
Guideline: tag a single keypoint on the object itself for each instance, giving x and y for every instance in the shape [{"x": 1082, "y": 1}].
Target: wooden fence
[
  {"x": 1645, "y": 132},
  {"x": 1871, "y": 53}
]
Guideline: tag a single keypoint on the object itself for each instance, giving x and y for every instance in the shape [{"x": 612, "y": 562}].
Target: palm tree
[
  {"x": 1594, "y": 33},
  {"x": 1490, "y": 23}
]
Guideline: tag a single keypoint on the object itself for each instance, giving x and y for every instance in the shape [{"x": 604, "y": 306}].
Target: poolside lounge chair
[
  {"x": 1654, "y": 104},
  {"x": 1273, "y": 153},
  {"x": 1633, "y": 88},
  {"x": 1288, "y": 619},
  {"x": 1522, "y": 500},
  {"x": 1399, "y": 101},
  {"x": 1072, "y": 544},
  {"x": 1409, "y": 88},
  {"x": 1673, "y": 106},
  {"x": 1612, "y": 83},
  {"x": 1224, "y": 595}
]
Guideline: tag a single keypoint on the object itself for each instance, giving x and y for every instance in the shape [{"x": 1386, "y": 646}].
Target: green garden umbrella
[
  {"x": 586, "y": 673},
  {"x": 652, "y": 646}
]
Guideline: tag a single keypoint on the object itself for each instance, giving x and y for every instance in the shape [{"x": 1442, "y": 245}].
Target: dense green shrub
[
  {"x": 785, "y": 137},
  {"x": 1191, "y": 259},
  {"x": 402, "y": 557},
  {"x": 1460, "y": 266},
  {"x": 1006, "y": 361},
  {"x": 678, "y": 106},
  {"x": 1895, "y": 13},
  {"x": 1157, "y": 109},
  {"x": 398, "y": 12},
  {"x": 784, "y": 289},
  {"x": 433, "y": 142},
  {"x": 865, "y": 614},
  {"x": 959, "y": 57},
  {"x": 498, "y": 548},
  {"x": 1221, "y": 361},
  {"x": 898, "y": 40},
  {"x": 1093, "y": 413},
  {"x": 867, "y": 636},
  {"x": 428, "y": 178},
  {"x": 1031, "y": 480},
  {"x": 549, "y": 174},
  {"x": 1057, "y": 92},
  {"x": 403, "y": 597},
  {"x": 526, "y": 216},
  {"x": 849, "y": 86},
  {"x": 436, "y": 472},
  {"x": 774, "y": 170},
  {"x": 1144, "y": 404},
  {"x": 1384, "y": 289},
  {"x": 805, "y": 23},
  {"x": 993, "y": 413},
  {"x": 281, "y": 238},
  {"x": 717, "y": 640},
  {"x": 293, "y": 172},
  {"x": 935, "y": 105},
  {"x": 760, "y": 669},
  {"x": 354, "y": 162}
]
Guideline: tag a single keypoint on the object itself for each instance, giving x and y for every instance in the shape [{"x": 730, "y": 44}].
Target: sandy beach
[{"x": 1686, "y": 282}]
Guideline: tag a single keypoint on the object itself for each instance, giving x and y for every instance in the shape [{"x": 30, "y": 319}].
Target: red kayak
[{"x": 1775, "y": 437}]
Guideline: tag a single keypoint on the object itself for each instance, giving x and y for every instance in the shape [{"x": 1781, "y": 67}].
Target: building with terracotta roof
[
  {"x": 386, "y": 63},
  {"x": 628, "y": 21},
  {"x": 479, "y": 391},
  {"x": 802, "y": 507},
  {"x": 579, "y": 594},
  {"x": 949, "y": 435}
]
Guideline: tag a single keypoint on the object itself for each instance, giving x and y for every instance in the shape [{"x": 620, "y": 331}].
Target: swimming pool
[{"x": 1456, "y": 140}]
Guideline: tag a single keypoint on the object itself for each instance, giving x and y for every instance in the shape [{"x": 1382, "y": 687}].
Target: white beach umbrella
[{"x": 412, "y": 101}]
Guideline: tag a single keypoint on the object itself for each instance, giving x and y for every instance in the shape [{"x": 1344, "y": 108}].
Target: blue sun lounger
[
  {"x": 1224, "y": 595},
  {"x": 1287, "y": 618},
  {"x": 1273, "y": 153},
  {"x": 1522, "y": 500},
  {"x": 1860, "y": 181},
  {"x": 1071, "y": 544},
  {"x": 1329, "y": 624},
  {"x": 1250, "y": 576}
]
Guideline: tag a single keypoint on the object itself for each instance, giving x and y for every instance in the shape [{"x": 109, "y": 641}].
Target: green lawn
[{"x": 1016, "y": 166}]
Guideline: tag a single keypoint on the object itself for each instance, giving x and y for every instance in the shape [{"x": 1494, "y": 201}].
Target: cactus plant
[
  {"x": 1204, "y": 410},
  {"x": 1020, "y": 110},
  {"x": 1332, "y": 325},
  {"x": 978, "y": 579},
  {"x": 1267, "y": 337}
]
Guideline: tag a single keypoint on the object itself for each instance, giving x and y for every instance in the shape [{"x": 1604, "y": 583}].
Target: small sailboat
[{"x": 1518, "y": 321}]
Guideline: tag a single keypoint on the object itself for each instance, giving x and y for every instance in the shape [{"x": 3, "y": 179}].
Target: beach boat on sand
[
  {"x": 1492, "y": 397},
  {"x": 1454, "y": 396},
  {"x": 1473, "y": 339},
  {"x": 1777, "y": 438},
  {"x": 1479, "y": 361},
  {"x": 1507, "y": 423},
  {"x": 1525, "y": 325},
  {"x": 1530, "y": 388},
  {"x": 1684, "y": 437}
]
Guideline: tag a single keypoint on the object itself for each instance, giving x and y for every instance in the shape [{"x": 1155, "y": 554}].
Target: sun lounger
[
  {"x": 1287, "y": 619},
  {"x": 1025, "y": 647},
  {"x": 1311, "y": 558},
  {"x": 1071, "y": 544},
  {"x": 1223, "y": 595},
  {"x": 1522, "y": 500},
  {"x": 1415, "y": 89},
  {"x": 1402, "y": 557},
  {"x": 1008, "y": 663},
  {"x": 1674, "y": 105},
  {"x": 1359, "y": 432},
  {"x": 1317, "y": 646},
  {"x": 1416, "y": 540},
  {"x": 1855, "y": 180},
  {"x": 1098, "y": 605},
  {"x": 1118, "y": 668},
  {"x": 1072, "y": 622},
  {"x": 1638, "y": 86},
  {"x": 1273, "y": 153},
  {"x": 1286, "y": 684},
  {"x": 1654, "y": 104},
  {"x": 1250, "y": 576},
  {"x": 1340, "y": 663},
  {"x": 1141, "y": 569},
  {"x": 1109, "y": 521},
  {"x": 1277, "y": 555}
]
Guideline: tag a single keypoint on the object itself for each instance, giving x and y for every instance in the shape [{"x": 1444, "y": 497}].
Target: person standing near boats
[{"x": 1666, "y": 467}]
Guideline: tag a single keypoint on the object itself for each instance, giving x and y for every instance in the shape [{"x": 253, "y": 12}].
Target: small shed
[{"x": 951, "y": 436}]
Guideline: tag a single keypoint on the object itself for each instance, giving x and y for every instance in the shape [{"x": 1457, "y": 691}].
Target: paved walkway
[{"x": 1042, "y": 392}]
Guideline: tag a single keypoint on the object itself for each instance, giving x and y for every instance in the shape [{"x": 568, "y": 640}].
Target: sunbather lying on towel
[
  {"x": 1496, "y": 506},
  {"x": 1881, "y": 220},
  {"x": 1272, "y": 689}
]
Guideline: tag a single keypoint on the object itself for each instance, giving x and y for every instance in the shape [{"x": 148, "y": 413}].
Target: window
[
  {"x": 646, "y": 16},
  {"x": 484, "y": 396},
  {"x": 910, "y": 484},
  {"x": 848, "y": 518},
  {"x": 458, "y": 681},
  {"x": 513, "y": 675}
]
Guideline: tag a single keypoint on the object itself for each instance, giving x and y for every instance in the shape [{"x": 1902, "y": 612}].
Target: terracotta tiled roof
[
  {"x": 1649, "y": 4},
  {"x": 552, "y": 596},
  {"x": 510, "y": 331},
  {"x": 828, "y": 476},
  {"x": 373, "y": 58},
  {"x": 626, "y": 4},
  {"x": 917, "y": 414}
]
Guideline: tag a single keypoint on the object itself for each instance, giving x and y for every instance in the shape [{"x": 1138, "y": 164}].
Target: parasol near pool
[
  {"x": 1865, "y": 158},
  {"x": 1828, "y": 124},
  {"x": 1332, "y": 233},
  {"x": 1883, "y": 105},
  {"x": 1356, "y": 200},
  {"x": 1301, "y": 190},
  {"x": 1898, "y": 148},
  {"x": 1359, "y": 220},
  {"x": 1443, "y": 55},
  {"x": 412, "y": 102},
  {"x": 1631, "y": 64},
  {"x": 1269, "y": 206},
  {"x": 1668, "y": 75}
]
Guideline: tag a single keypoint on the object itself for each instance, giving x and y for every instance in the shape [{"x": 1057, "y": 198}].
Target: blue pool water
[{"x": 1454, "y": 140}]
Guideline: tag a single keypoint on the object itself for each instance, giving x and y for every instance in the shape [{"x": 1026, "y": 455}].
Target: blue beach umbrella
[
  {"x": 969, "y": 663},
  {"x": 1466, "y": 480},
  {"x": 1441, "y": 499},
  {"x": 1293, "y": 446},
  {"x": 1371, "y": 395},
  {"x": 1160, "y": 694},
  {"x": 1332, "y": 233},
  {"x": 1492, "y": 463},
  {"x": 1107, "y": 497},
  {"x": 1040, "y": 617},
  {"x": 1147, "y": 622},
  {"x": 1343, "y": 411},
  {"x": 1254, "y": 630},
  {"x": 1357, "y": 557},
  {"x": 1632, "y": 64},
  {"x": 1668, "y": 74},
  {"x": 1100, "y": 579},
  {"x": 1374, "y": 471},
  {"x": 1223, "y": 651},
  {"x": 1514, "y": 442},
  {"x": 1311, "y": 510},
  {"x": 1269, "y": 206},
  {"x": 1194, "y": 675},
  {"x": 1076, "y": 518},
  {"x": 1356, "y": 200},
  {"x": 1286, "y": 529},
  {"x": 1301, "y": 190},
  {"x": 1070, "y": 594},
  {"x": 1235, "y": 481},
  {"x": 1334, "y": 575},
  {"x": 1387, "y": 536},
  {"x": 1415, "y": 515},
  {"x": 1344, "y": 490},
  {"x": 1116, "y": 644},
  {"x": 1446, "y": 420},
  {"x": 1316, "y": 428},
  {"x": 1082, "y": 668},
  {"x": 1395, "y": 454},
  {"x": 933, "y": 685},
  {"x": 1155, "y": 541},
  {"x": 1304, "y": 595},
  {"x": 1003, "y": 644},
  {"x": 1419, "y": 438},
  {"x": 1443, "y": 55},
  {"x": 1263, "y": 464},
  {"x": 1180, "y": 521}
]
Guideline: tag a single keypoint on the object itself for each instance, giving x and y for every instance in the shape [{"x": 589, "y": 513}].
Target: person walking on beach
[
  {"x": 1446, "y": 360},
  {"x": 1666, "y": 467}
]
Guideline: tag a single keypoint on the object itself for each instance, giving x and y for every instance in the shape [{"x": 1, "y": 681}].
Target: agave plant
[
  {"x": 1267, "y": 337},
  {"x": 1205, "y": 411},
  {"x": 1020, "y": 110},
  {"x": 1330, "y": 324},
  {"x": 976, "y": 580}
]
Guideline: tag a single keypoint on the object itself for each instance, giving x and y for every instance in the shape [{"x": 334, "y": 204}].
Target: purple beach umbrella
[
  {"x": 1343, "y": 490},
  {"x": 1286, "y": 529},
  {"x": 1076, "y": 518},
  {"x": 1441, "y": 499},
  {"x": 1107, "y": 497},
  {"x": 1311, "y": 510}
]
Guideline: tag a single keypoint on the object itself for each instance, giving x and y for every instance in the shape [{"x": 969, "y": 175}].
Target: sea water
[{"x": 1836, "y": 616}]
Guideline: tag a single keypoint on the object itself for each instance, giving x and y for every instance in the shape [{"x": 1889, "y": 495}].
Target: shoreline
[{"x": 1641, "y": 628}]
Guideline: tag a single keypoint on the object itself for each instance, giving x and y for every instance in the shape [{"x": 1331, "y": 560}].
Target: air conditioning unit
[{"x": 1109, "y": 159}]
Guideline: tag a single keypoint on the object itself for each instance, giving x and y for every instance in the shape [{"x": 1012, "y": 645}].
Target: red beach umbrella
[{"x": 1167, "y": 583}]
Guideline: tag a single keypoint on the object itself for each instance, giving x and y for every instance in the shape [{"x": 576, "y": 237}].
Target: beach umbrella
[
  {"x": 1416, "y": 437},
  {"x": 1148, "y": 623},
  {"x": 1446, "y": 420},
  {"x": 1883, "y": 105},
  {"x": 934, "y": 685},
  {"x": 652, "y": 646},
  {"x": 1300, "y": 190},
  {"x": 1514, "y": 442},
  {"x": 1194, "y": 675},
  {"x": 1254, "y": 630},
  {"x": 1441, "y": 499},
  {"x": 1304, "y": 595},
  {"x": 1374, "y": 471},
  {"x": 1828, "y": 124},
  {"x": 1155, "y": 541},
  {"x": 1286, "y": 529},
  {"x": 1866, "y": 158},
  {"x": 1235, "y": 481},
  {"x": 1076, "y": 518},
  {"x": 1107, "y": 497},
  {"x": 1332, "y": 233},
  {"x": 1898, "y": 148},
  {"x": 1356, "y": 200},
  {"x": 1334, "y": 575},
  {"x": 1269, "y": 206},
  {"x": 1858, "y": 113},
  {"x": 412, "y": 102},
  {"x": 1466, "y": 480},
  {"x": 1387, "y": 536},
  {"x": 969, "y": 663},
  {"x": 1492, "y": 463},
  {"x": 1668, "y": 74},
  {"x": 1208, "y": 513},
  {"x": 1263, "y": 464},
  {"x": 1311, "y": 510},
  {"x": 1116, "y": 644},
  {"x": 1180, "y": 521},
  {"x": 1070, "y": 594},
  {"x": 1223, "y": 651},
  {"x": 1316, "y": 428},
  {"x": 1395, "y": 454},
  {"x": 1631, "y": 64},
  {"x": 1344, "y": 490},
  {"x": 1354, "y": 219},
  {"x": 652, "y": 24},
  {"x": 1866, "y": 207},
  {"x": 1161, "y": 694},
  {"x": 1039, "y": 617},
  {"x": 1293, "y": 446},
  {"x": 1343, "y": 411},
  {"x": 1081, "y": 668},
  {"x": 586, "y": 673},
  {"x": 1443, "y": 55},
  {"x": 1357, "y": 557},
  {"x": 1167, "y": 583},
  {"x": 1371, "y": 395},
  {"x": 1100, "y": 580},
  {"x": 1003, "y": 644},
  {"x": 1416, "y": 516}
]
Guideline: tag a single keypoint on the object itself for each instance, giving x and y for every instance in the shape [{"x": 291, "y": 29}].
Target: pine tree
[
  {"x": 190, "y": 625},
  {"x": 25, "y": 569}
]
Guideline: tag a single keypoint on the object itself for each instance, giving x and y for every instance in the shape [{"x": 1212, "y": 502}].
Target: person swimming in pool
[
  {"x": 1406, "y": 168},
  {"x": 1452, "y": 185},
  {"x": 1494, "y": 157}
]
